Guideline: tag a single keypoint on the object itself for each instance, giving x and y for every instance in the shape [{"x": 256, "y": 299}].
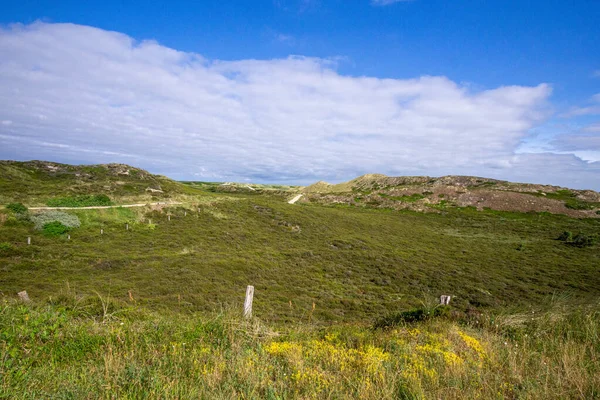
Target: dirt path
[
  {"x": 295, "y": 199},
  {"x": 102, "y": 207}
]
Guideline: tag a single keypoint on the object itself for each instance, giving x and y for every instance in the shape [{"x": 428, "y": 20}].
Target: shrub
[
  {"x": 575, "y": 204},
  {"x": 80, "y": 201},
  {"x": 409, "y": 317},
  {"x": 68, "y": 220},
  {"x": 566, "y": 236},
  {"x": 581, "y": 240},
  {"x": 54, "y": 228},
  {"x": 6, "y": 248},
  {"x": 17, "y": 208}
]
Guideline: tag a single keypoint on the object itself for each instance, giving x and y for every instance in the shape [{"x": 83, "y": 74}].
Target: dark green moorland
[{"x": 353, "y": 263}]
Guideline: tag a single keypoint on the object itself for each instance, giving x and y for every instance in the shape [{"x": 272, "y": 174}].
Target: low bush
[
  {"x": 80, "y": 201},
  {"x": 44, "y": 218},
  {"x": 579, "y": 240},
  {"x": 17, "y": 208},
  {"x": 582, "y": 240},
  {"x": 566, "y": 236},
  {"x": 55, "y": 228},
  {"x": 410, "y": 317},
  {"x": 6, "y": 248}
]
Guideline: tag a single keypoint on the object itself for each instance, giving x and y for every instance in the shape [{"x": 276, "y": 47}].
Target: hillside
[
  {"x": 35, "y": 182},
  {"x": 145, "y": 302},
  {"x": 423, "y": 193}
]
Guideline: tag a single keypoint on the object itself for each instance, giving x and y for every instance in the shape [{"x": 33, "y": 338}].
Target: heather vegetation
[
  {"x": 145, "y": 302},
  {"x": 80, "y": 201}
]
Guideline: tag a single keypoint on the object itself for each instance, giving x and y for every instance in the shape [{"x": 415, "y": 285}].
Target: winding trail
[{"x": 103, "y": 207}]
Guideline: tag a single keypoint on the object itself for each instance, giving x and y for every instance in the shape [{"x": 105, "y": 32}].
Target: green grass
[
  {"x": 95, "y": 347},
  {"x": 355, "y": 263},
  {"x": 568, "y": 197},
  {"x": 153, "y": 311},
  {"x": 34, "y": 183},
  {"x": 80, "y": 201}
]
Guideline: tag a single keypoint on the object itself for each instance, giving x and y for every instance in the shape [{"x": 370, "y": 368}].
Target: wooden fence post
[
  {"x": 68, "y": 237},
  {"x": 185, "y": 213},
  {"x": 102, "y": 231},
  {"x": 248, "y": 302},
  {"x": 169, "y": 217},
  {"x": 28, "y": 240},
  {"x": 126, "y": 227}
]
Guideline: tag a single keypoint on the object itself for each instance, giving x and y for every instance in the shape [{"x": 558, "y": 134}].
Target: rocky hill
[
  {"x": 35, "y": 181},
  {"x": 424, "y": 193}
]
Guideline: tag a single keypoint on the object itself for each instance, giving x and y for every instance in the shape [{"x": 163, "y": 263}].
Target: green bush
[
  {"x": 80, "y": 201},
  {"x": 575, "y": 204},
  {"x": 566, "y": 236},
  {"x": 581, "y": 240},
  {"x": 6, "y": 248},
  {"x": 68, "y": 220},
  {"x": 410, "y": 317},
  {"x": 54, "y": 228},
  {"x": 17, "y": 208}
]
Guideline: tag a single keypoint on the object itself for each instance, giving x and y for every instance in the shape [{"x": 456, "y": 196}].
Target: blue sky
[{"x": 301, "y": 90}]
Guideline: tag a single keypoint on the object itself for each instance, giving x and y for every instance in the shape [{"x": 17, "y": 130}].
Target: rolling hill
[
  {"x": 145, "y": 302},
  {"x": 425, "y": 193}
]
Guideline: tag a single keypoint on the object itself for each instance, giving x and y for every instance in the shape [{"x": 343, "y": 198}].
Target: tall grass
[{"x": 96, "y": 348}]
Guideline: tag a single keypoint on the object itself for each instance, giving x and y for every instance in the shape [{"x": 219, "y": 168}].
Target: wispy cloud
[
  {"x": 592, "y": 108},
  {"x": 283, "y": 38},
  {"x": 387, "y": 2},
  {"x": 79, "y": 93}
]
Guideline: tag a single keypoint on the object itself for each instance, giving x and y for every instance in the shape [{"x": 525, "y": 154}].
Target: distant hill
[
  {"x": 424, "y": 193},
  {"x": 34, "y": 182}
]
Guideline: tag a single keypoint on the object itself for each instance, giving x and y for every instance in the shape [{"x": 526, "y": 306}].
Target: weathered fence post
[
  {"x": 169, "y": 217},
  {"x": 24, "y": 296},
  {"x": 68, "y": 237},
  {"x": 28, "y": 240},
  {"x": 102, "y": 231},
  {"x": 126, "y": 227},
  {"x": 445, "y": 300},
  {"x": 248, "y": 302},
  {"x": 185, "y": 213}
]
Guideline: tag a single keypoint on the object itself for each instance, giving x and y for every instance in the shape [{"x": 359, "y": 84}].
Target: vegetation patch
[
  {"x": 410, "y": 317},
  {"x": 54, "y": 228},
  {"x": 17, "y": 208},
  {"x": 80, "y": 201},
  {"x": 579, "y": 240},
  {"x": 47, "y": 217}
]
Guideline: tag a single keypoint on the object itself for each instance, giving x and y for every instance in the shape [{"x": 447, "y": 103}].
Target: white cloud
[
  {"x": 387, "y": 2},
  {"x": 591, "y": 109},
  {"x": 77, "y": 93}
]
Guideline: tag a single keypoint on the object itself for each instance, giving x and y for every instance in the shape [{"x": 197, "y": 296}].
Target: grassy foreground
[{"x": 96, "y": 348}]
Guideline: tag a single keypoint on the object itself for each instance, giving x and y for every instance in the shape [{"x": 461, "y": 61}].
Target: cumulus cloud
[{"x": 80, "y": 94}]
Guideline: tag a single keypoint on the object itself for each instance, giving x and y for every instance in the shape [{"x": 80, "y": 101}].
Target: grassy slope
[
  {"x": 35, "y": 182},
  {"x": 322, "y": 275},
  {"x": 353, "y": 263},
  {"x": 92, "y": 349}
]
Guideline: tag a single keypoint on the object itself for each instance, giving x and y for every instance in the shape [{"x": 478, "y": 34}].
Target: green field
[
  {"x": 352, "y": 263},
  {"x": 154, "y": 311}
]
